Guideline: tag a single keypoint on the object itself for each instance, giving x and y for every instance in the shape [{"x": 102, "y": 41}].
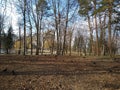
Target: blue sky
[
  {"x": 10, "y": 13},
  {"x": 13, "y": 16}
]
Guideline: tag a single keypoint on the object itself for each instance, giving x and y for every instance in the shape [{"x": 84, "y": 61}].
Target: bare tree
[
  {"x": 38, "y": 14},
  {"x": 1, "y": 29},
  {"x": 20, "y": 46},
  {"x": 29, "y": 11},
  {"x": 22, "y": 6},
  {"x": 62, "y": 15},
  {"x": 3, "y": 5},
  {"x": 70, "y": 35},
  {"x": 96, "y": 28}
]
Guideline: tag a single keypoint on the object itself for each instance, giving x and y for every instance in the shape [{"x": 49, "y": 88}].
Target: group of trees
[
  {"x": 6, "y": 38},
  {"x": 104, "y": 25},
  {"x": 7, "y": 41},
  {"x": 45, "y": 15},
  {"x": 39, "y": 17}
]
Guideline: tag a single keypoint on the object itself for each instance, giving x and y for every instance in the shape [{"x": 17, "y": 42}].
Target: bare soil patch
[{"x": 58, "y": 73}]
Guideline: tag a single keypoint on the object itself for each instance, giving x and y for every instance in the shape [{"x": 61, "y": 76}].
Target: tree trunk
[
  {"x": 101, "y": 35},
  {"x": 109, "y": 31},
  {"x": 56, "y": 25},
  {"x": 40, "y": 31},
  {"x": 19, "y": 52},
  {"x": 7, "y": 51},
  {"x": 104, "y": 35},
  {"x": 37, "y": 28},
  {"x": 97, "y": 44},
  {"x": 0, "y": 39},
  {"x": 65, "y": 30},
  {"x": 96, "y": 28},
  {"x": 24, "y": 14},
  {"x": 91, "y": 35},
  {"x": 70, "y": 42},
  {"x": 53, "y": 41},
  {"x": 31, "y": 40},
  {"x": 43, "y": 46},
  {"x": 37, "y": 47}
]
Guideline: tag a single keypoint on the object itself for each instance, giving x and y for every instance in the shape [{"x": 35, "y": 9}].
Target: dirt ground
[{"x": 58, "y": 73}]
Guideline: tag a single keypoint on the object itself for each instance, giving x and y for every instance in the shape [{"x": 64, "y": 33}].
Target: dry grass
[
  {"x": 61, "y": 82},
  {"x": 58, "y": 73}
]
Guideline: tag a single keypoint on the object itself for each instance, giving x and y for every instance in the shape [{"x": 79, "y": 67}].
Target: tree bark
[
  {"x": 66, "y": 25},
  {"x": 19, "y": 52},
  {"x": 0, "y": 38},
  {"x": 109, "y": 29},
  {"x": 96, "y": 28},
  {"x": 91, "y": 35},
  {"x": 24, "y": 14}
]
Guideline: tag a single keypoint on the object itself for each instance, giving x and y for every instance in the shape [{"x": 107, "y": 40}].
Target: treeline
[
  {"x": 55, "y": 21},
  {"x": 103, "y": 19}
]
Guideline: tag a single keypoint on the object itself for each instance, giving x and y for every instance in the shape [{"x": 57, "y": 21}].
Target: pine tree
[
  {"x": 9, "y": 40},
  {"x": 85, "y": 11}
]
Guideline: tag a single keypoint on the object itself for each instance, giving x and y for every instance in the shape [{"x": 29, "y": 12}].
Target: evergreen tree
[
  {"x": 111, "y": 8},
  {"x": 1, "y": 30},
  {"x": 85, "y": 11},
  {"x": 9, "y": 40}
]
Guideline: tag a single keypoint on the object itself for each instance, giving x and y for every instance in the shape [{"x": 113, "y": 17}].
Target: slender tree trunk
[
  {"x": 19, "y": 52},
  {"x": 101, "y": 36},
  {"x": 59, "y": 28},
  {"x": 43, "y": 46},
  {"x": 96, "y": 27},
  {"x": 64, "y": 42},
  {"x": 37, "y": 47},
  {"x": 91, "y": 35},
  {"x": 65, "y": 30},
  {"x": 0, "y": 39},
  {"x": 40, "y": 31},
  {"x": 53, "y": 41},
  {"x": 109, "y": 31},
  {"x": 58, "y": 52},
  {"x": 70, "y": 42},
  {"x": 24, "y": 14},
  {"x": 37, "y": 28},
  {"x": 31, "y": 40},
  {"x": 56, "y": 25},
  {"x": 85, "y": 48},
  {"x": 104, "y": 34},
  {"x": 97, "y": 44},
  {"x": 30, "y": 23},
  {"x": 7, "y": 51}
]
